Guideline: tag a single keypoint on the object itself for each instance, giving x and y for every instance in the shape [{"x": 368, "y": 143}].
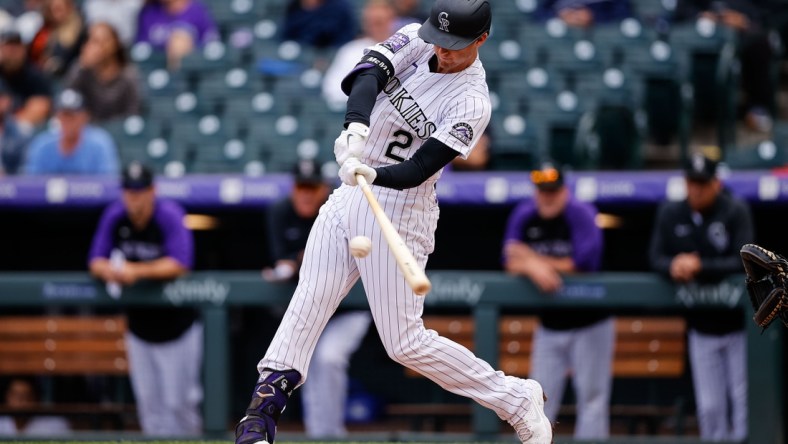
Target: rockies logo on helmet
[{"x": 443, "y": 18}]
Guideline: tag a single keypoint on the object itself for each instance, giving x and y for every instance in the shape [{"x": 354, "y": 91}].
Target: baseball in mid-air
[{"x": 360, "y": 246}]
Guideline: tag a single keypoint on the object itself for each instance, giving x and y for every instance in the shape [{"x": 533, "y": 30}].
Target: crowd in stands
[{"x": 172, "y": 61}]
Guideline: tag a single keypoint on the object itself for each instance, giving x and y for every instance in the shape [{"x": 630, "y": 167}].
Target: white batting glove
[
  {"x": 351, "y": 142},
  {"x": 353, "y": 166}
]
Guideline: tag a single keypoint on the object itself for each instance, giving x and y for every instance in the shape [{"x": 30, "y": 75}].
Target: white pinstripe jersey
[{"x": 417, "y": 104}]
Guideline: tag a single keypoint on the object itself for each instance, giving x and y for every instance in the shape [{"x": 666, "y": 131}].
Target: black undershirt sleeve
[
  {"x": 428, "y": 160},
  {"x": 363, "y": 85},
  {"x": 362, "y": 98}
]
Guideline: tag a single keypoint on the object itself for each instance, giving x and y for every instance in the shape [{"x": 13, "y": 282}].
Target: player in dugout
[{"x": 416, "y": 101}]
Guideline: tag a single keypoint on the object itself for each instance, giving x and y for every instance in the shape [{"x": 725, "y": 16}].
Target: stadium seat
[
  {"x": 516, "y": 89},
  {"x": 287, "y": 58},
  {"x": 610, "y": 133},
  {"x": 231, "y": 156},
  {"x": 133, "y": 133},
  {"x": 145, "y": 140},
  {"x": 549, "y": 40},
  {"x": 147, "y": 59},
  {"x": 652, "y": 12},
  {"x": 161, "y": 81},
  {"x": 711, "y": 52},
  {"x": 554, "y": 120},
  {"x": 219, "y": 86},
  {"x": 227, "y": 13},
  {"x": 515, "y": 144},
  {"x": 203, "y": 132},
  {"x": 278, "y": 139},
  {"x": 214, "y": 56},
  {"x": 506, "y": 56},
  {"x": 765, "y": 154},
  {"x": 667, "y": 92},
  {"x": 168, "y": 108}
]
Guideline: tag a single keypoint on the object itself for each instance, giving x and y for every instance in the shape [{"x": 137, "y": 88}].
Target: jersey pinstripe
[{"x": 415, "y": 105}]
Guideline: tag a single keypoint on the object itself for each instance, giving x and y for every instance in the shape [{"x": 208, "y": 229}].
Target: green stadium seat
[
  {"x": 201, "y": 132},
  {"x": 214, "y": 56},
  {"x": 133, "y": 133},
  {"x": 652, "y": 11},
  {"x": 170, "y": 108},
  {"x": 769, "y": 153},
  {"x": 282, "y": 58},
  {"x": 554, "y": 120},
  {"x": 549, "y": 40},
  {"x": 505, "y": 56},
  {"x": 515, "y": 144},
  {"x": 161, "y": 81},
  {"x": 147, "y": 59},
  {"x": 711, "y": 50},
  {"x": 232, "y": 12},
  {"x": 516, "y": 89},
  {"x": 667, "y": 93},
  {"x": 236, "y": 82},
  {"x": 230, "y": 157}
]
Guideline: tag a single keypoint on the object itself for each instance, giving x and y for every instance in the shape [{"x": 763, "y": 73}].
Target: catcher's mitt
[{"x": 766, "y": 283}]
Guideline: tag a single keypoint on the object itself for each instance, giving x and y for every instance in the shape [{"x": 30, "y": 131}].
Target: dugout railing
[{"x": 486, "y": 295}]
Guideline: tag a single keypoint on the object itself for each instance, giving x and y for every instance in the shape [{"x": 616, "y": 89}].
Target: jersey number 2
[{"x": 399, "y": 143}]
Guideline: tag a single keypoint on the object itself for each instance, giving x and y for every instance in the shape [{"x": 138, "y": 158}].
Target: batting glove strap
[
  {"x": 353, "y": 166},
  {"x": 351, "y": 142}
]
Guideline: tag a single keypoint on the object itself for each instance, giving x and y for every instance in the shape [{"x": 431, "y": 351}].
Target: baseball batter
[{"x": 415, "y": 102}]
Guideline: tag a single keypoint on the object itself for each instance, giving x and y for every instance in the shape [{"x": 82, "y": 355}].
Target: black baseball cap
[
  {"x": 700, "y": 168},
  {"x": 455, "y": 24},
  {"x": 136, "y": 176},
  {"x": 308, "y": 172},
  {"x": 548, "y": 177}
]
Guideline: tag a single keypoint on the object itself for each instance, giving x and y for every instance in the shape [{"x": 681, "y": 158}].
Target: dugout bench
[
  {"x": 487, "y": 296},
  {"x": 53, "y": 346},
  {"x": 647, "y": 347}
]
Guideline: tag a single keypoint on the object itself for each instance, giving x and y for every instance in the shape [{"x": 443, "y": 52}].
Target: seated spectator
[
  {"x": 583, "y": 13},
  {"x": 116, "y": 13},
  {"x": 30, "y": 89},
  {"x": 377, "y": 22},
  {"x": 23, "y": 393},
  {"x": 13, "y": 140},
  {"x": 748, "y": 18},
  {"x": 57, "y": 44},
  {"x": 176, "y": 26},
  {"x": 319, "y": 23},
  {"x": 104, "y": 76},
  {"x": 74, "y": 148}
]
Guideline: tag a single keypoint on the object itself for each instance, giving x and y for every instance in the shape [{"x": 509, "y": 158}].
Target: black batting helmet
[{"x": 455, "y": 24}]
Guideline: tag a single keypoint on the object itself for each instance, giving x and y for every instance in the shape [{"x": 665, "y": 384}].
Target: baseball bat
[{"x": 414, "y": 275}]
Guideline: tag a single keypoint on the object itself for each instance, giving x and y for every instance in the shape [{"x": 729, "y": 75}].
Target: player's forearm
[
  {"x": 159, "y": 269},
  {"x": 100, "y": 268},
  {"x": 561, "y": 264}
]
